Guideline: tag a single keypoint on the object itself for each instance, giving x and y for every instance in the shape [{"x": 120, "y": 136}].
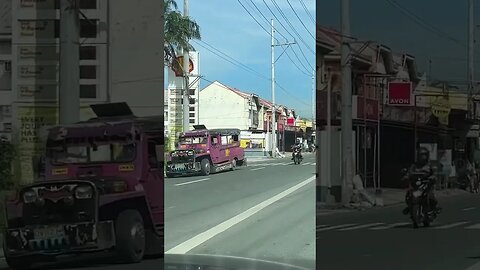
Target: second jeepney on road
[{"x": 204, "y": 151}]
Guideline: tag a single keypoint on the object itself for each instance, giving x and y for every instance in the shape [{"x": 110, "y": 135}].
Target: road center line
[
  {"x": 191, "y": 182},
  {"x": 212, "y": 232},
  {"x": 468, "y": 209},
  {"x": 361, "y": 226},
  {"x": 451, "y": 225},
  {"x": 335, "y": 227},
  {"x": 256, "y": 169}
]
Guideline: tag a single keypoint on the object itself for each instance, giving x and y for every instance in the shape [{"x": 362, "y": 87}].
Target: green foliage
[
  {"x": 179, "y": 30},
  {"x": 7, "y": 155}
]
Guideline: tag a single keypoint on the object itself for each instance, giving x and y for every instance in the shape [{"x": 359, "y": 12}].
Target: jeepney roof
[
  {"x": 115, "y": 125},
  {"x": 204, "y": 132}
]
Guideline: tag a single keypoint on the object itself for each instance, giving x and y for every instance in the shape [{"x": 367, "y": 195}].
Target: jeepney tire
[
  {"x": 21, "y": 263},
  {"x": 205, "y": 166},
  {"x": 169, "y": 175},
  {"x": 130, "y": 236},
  {"x": 234, "y": 164}
]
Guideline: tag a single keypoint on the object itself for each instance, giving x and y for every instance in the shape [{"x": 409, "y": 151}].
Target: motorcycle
[
  {"x": 297, "y": 156},
  {"x": 419, "y": 205}
]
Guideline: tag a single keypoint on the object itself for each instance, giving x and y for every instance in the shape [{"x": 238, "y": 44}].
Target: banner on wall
[{"x": 30, "y": 123}]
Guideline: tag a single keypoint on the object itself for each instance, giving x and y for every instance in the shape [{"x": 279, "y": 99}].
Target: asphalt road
[
  {"x": 265, "y": 211},
  {"x": 219, "y": 214},
  {"x": 384, "y": 238}
]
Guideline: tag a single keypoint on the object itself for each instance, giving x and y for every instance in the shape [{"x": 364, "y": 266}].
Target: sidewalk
[{"x": 388, "y": 197}]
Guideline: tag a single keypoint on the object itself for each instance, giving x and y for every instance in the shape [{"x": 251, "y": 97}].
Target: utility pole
[
  {"x": 274, "y": 126},
  {"x": 69, "y": 71},
  {"x": 186, "y": 71},
  {"x": 313, "y": 97},
  {"x": 470, "y": 57},
  {"x": 347, "y": 174}
]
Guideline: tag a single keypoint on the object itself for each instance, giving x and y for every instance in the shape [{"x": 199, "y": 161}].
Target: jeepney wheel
[
  {"x": 130, "y": 236},
  {"x": 169, "y": 175},
  {"x": 21, "y": 263},
  {"x": 234, "y": 164},
  {"x": 205, "y": 166}
]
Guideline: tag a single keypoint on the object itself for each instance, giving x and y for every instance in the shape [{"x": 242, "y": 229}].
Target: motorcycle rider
[
  {"x": 421, "y": 166},
  {"x": 297, "y": 147}
]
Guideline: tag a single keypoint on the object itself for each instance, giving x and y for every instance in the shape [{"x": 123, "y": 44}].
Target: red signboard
[
  {"x": 400, "y": 93},
  {"x": 291, "y": 121}
]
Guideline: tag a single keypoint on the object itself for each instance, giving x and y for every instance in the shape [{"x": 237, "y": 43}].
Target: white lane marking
[
  {"x": 191, "y": 182},
  {"x": 361, "y": 226},
  {"x": 305, "y": 164},
  {"x": 475, "y": 226},
  {"x": 321, "y": 226},
  {"x": 257, "y": 169},
  {"x": 448, "y": 226},
  {"x": 468, "y": 209},
  {"x": 335, "y": 227},
  {"x": 390, "y": 226},
  {"x": 212, "y": 232},
  {"x": 474, "y": 267}
]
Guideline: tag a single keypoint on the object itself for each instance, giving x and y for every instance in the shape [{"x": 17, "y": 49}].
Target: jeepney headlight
[
  {"x": 83, "y": 192},
  {"x": 174, "y": 154},
  {"x": 190, "y": 153},
  {"x": 29, "y": 196}
]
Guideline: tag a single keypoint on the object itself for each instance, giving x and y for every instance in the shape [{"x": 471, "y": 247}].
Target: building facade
[{"x": 113, "y": 67}]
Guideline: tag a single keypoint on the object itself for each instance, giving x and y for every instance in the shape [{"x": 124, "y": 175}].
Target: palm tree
[{"x": 178, "y": 32}]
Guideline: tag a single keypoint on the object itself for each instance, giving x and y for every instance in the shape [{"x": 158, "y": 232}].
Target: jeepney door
[
  {"x": 214, "y": 148},
  {"x": 154, "y": 183}
]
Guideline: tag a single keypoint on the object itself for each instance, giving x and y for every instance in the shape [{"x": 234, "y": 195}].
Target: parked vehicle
[
  {"x": 420, "y": 208},
  {"x": 102, "y": 191},
  {"x": 204, "y": 151}
]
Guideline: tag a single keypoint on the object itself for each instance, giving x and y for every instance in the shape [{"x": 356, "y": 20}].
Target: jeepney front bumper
[
  {"x": 183, "y": 168},
  {"x": 59, "y": 239}
]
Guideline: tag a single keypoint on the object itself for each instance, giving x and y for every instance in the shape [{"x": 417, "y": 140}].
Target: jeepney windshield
[
  {"x": 193, "y": 140},
  {"x": 105, "y": 152}
]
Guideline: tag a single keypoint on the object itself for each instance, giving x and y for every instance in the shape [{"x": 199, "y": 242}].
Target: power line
[
  {"x": 298, "y": 17},
  {"x": 306, "y": 11},
  {"x": 281, "y": 24},
  {"x": 421, "y": 22},
  {"x": 293, "y": 28},
  {"x": 242, "y": 66},
  {"x": 255, "y": 19},
  {"x": 306, "y": 73}
]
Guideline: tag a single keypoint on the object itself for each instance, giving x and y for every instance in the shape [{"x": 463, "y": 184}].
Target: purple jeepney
[
  {"x": 102, "y": 191},
  {"x": 204, "y": 151}
]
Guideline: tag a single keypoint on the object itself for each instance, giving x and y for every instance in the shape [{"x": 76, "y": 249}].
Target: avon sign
[{"x": 400, "y": 93}]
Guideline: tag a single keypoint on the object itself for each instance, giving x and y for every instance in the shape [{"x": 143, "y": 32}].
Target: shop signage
[{"x": 400, "y": 93}]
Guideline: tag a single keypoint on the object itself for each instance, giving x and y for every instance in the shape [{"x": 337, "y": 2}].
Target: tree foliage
[
  {"x": 179, "y": 30},
  {"x": 7, "y": 155}
]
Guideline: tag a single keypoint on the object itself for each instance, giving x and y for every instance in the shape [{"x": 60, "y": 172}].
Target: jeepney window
[
  {"x": 224, "y": 140},
  {"x": 214, "y": 140},
  {"x": 73, "y": 154},
  {"x": 123, "y": 152},
  {"x": 102, "y": 153}
]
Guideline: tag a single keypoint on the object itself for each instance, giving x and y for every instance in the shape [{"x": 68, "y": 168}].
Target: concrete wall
[
  {"x": 136, "y": 67},
  {"x": 222, "y": 108}
]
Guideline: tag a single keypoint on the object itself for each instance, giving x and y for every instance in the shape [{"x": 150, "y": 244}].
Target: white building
[
  {"x": 121, "y": 60},
  {"x": 222, "y": 106},
  {"x": 6, "y": 98}
]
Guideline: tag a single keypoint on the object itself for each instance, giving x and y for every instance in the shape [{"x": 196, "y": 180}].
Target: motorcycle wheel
[{"x": 415, "y": 215}]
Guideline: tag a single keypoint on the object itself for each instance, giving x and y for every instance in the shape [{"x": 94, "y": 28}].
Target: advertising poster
[{"x": 30, "y": 124}]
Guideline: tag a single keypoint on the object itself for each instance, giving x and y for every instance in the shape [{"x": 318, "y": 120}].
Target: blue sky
[
  {"x": 385, "y": 23},
  {"x": 226, "y": 26}
]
